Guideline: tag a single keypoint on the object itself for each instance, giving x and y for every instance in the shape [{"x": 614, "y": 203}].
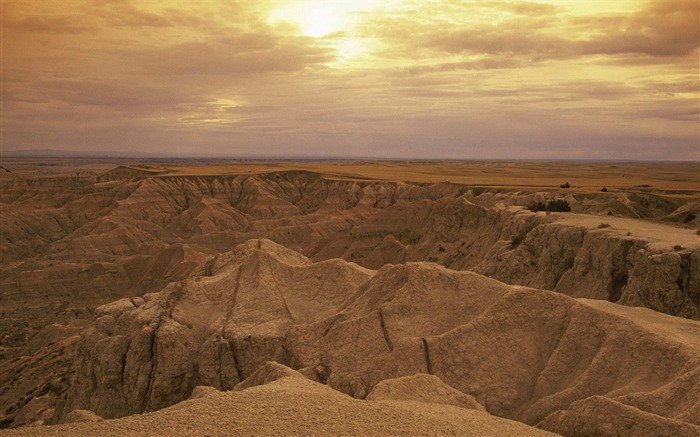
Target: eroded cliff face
[
  {"x": 214, "y": 329},
  {"x": 521, "y": 353},
  {"x": 131, "y": 214},
  {"x": 597, "y": 264},
  {"x": 73, "y": 244}
]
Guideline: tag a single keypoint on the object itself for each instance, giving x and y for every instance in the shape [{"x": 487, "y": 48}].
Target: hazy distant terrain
[{"x": 127, "y": 284}]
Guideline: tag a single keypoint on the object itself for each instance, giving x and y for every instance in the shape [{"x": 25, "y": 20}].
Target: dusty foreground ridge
[
  {"x": 293, "y": 405},
  {"x": 534, "y": 356}
]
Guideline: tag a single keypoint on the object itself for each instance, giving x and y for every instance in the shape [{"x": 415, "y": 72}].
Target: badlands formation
[{"x": 349, "y": 299}]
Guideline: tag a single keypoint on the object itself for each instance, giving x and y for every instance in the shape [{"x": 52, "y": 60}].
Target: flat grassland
[{"x": 683, "y": 177}]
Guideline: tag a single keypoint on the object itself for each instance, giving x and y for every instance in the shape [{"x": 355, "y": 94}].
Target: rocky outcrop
[
  {"x": 209, "y": 330},
  {"x": 592, "y": 263},
  {"x": 32, "y": 385},
  {"x": 124, "y": 172},
  {"x": 267, "y": 373},
  {"x": 424, "y": 388},
  {"x": 72, "y": 244},
  {"x": 82, "y": 416},
  {"x": 598, "y": 415},
  {"x": 524, "y": 354}
]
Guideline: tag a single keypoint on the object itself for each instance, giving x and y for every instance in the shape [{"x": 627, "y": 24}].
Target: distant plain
[{"x": 581, "y": 175}]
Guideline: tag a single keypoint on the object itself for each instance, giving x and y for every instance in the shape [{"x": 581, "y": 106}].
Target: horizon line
[{"x": 57, "y": 154}]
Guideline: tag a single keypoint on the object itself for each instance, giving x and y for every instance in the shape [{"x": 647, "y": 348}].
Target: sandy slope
[{"x": 295, "y": 406}]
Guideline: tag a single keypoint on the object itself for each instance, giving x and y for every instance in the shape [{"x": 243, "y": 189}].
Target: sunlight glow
[
  {"x": 332, "y": 22},
  {"x": 315, "y": 18}
]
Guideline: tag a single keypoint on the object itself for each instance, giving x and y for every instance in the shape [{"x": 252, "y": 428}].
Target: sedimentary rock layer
[{"x": 523, "y": 354}]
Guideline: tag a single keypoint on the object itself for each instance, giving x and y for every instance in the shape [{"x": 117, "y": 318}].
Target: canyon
[{"x": 129, "y": 288}]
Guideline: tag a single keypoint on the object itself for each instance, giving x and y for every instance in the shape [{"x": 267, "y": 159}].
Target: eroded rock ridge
[{"x": 535, "y": 356}]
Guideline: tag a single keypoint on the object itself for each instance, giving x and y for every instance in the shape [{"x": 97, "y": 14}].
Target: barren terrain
[{"x": 389, "y": 287}]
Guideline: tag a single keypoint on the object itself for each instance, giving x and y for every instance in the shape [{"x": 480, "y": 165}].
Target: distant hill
[{"x": 55, "y": 153}]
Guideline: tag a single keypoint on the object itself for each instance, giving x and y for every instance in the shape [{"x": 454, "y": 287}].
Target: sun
[
  {"x": 318, "y": 18},
  {"x": 333, "y": 22},
  {"x": 321, "y": 19}
]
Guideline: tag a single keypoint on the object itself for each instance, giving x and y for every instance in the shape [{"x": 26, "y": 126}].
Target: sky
[{"x": 425, "y": 79}]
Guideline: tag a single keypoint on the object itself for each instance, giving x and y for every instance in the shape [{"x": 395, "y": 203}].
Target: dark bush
[
  {"x": 539, "y": 206},
  {"x": 558, "y": 205},
  {"x": 565, "y": 185},
  {"x": 604, "y": 190},
  {"x": 517, "y": 239},
  {"x": 515, "y": 242}
]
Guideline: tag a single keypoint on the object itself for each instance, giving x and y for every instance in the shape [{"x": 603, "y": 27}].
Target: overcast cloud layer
[{"x": 356, "y": 78}]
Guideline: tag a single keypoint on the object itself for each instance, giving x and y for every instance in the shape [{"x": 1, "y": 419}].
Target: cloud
[
  {"x": 661, "y": 29},
  {"x": 116, "y": 95},
  {"x": 441, "y": 79},
  {"x": 184, "y": 66},
  {"x": 527, "y": 8},
  {"x": 235, "y": 55},
  {"x": 540, "y": 32},
  {"x": 16, "y": 18},
  {"x": 204, "y": 15},
  {"x": 509, "y": 38}
]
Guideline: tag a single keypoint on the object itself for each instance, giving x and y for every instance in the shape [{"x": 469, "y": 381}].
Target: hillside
[
  {"x": 529, "y": 355},
  {"x": 124, "y": 290}
]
